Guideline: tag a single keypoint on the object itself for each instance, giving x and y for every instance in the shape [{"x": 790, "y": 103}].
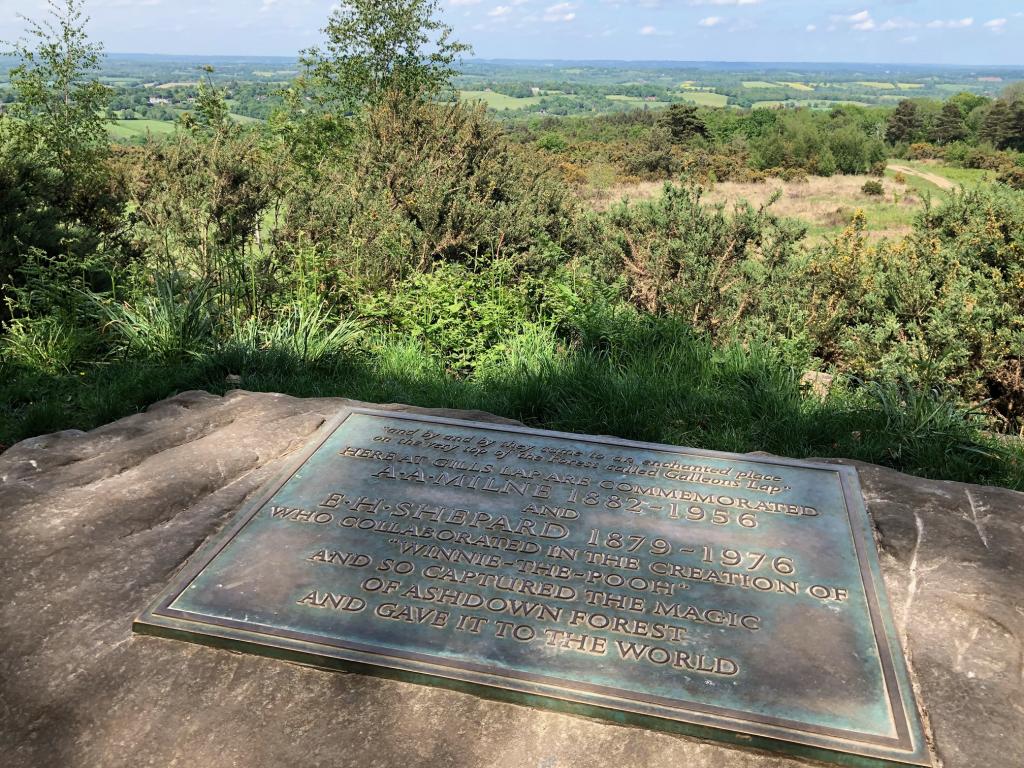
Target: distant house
[{"x": 155, "y": 100}]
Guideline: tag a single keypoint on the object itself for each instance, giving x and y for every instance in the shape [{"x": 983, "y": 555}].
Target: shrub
[
  {"x": 922, "y": 150},
  {"x": 939, "y": 309},
  {"x": 873, "y": 188},
  {"x": 695, "y": 261},
  {"x": 430, "y": 183},
  {"x": 457, "y": 314},
  {"x": 1012, "y": 176},
  {"x": 552, "y": 142},
  {"x": 50, "y": 344}
]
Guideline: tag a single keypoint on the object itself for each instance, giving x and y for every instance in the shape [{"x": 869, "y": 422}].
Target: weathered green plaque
[{"x": 712, "y": 594}]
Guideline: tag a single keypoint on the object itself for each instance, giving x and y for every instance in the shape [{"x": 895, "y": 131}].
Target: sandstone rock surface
[{"x": 93, "y": 525}]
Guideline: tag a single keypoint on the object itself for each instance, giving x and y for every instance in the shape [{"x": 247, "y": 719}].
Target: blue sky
[{"x": 896, "y": 31}]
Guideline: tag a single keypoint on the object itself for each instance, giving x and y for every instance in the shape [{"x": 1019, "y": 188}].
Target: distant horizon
[{"x": 570, "y": 60}]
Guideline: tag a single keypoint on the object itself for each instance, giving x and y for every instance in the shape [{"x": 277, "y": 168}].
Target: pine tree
[
  {"x": 684, "y": 123},
  {"x": 950, "y": 125},
  {"x": 998, "y": 126},
  {"x": 904, "y": 123}
]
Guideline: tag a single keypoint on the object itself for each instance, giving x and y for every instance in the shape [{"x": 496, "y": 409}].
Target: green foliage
[
  {"x": 684, "y": 123},
  {"x": 60, "y": 212},
  {"x": 167, "y": 324},
  {"x": 380, "y": 48},
  {"x": 904, "y": 124},
  {"x": 60, "y": 102},
  {"x": 688, "y": 259},
  {"x": 552, "y": 142},
  {"x": 655, "y": 156},
  {"x": 950, "y": 126},
  {"x": 295, "y": 335},
  {"x": 873, "y": 188},
  {"x": 50, "y": 344},
  {"x": 940, "y": 309},
  {"x": 211, "y": 106},
  {"x": 204, "y": 206},
  {"x": 462, "y": 318},
  {"x": 431, "y": 183}
]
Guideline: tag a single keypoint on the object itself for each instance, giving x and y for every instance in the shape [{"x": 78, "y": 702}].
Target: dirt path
[{"x": 938, "y": 181}]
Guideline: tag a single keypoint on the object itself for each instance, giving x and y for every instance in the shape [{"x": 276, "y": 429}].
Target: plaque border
[{"x": 703, "y": 720}]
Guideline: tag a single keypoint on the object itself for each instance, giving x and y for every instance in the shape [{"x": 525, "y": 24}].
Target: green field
[
  {"x": 797, "y": 86},
  {"x": 759, "y": 84},
  {"x": 499, "y": 101},
  {"x": 130, "y": 129},
  {"x": 705, "y": 99}
]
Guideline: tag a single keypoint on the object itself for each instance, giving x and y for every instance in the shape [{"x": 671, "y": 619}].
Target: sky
[{"x": 884, "y": 31}]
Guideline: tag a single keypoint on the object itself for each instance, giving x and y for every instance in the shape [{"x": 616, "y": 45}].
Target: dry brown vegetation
[{"x": 826, "y": 204}]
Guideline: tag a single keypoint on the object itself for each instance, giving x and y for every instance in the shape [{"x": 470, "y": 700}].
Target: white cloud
[
  {"x": 950, "y": 23},
  {"x": 560, "y": 12},
  {"x": 725, "y": 2},
  {"x": 860, "y": 21},
  {"x": 710, "y": 21},
  {"x": 812, "y": 27},
  {"x": 464, "y": 2},
  {"x": 997, "y": 26},
  {"x": 648, "y": 30},
  {"x": 500, "y": 11},
  {"x": 898, "y": 23},
  {"x": 909, "y": 39}
]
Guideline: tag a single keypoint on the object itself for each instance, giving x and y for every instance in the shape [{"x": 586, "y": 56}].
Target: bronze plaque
[{"x": 712, "y": 594}]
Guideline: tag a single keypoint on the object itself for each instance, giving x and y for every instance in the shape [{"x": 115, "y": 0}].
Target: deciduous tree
[{"x": 378, "y": 47}]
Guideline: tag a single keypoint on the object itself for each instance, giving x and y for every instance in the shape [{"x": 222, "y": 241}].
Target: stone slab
[
  {"x": 705, "y": 593},
  {"x": 94, "y": 525}
]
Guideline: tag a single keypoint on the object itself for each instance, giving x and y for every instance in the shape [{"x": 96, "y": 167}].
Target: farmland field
[
  {"x": 499, "y": 101},
  {"x": 130, "y": 129},
  {"x": 705, "y": 99}
]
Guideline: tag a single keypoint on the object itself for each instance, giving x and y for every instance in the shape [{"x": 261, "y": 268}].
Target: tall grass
[{"x": 654, "y": 382}]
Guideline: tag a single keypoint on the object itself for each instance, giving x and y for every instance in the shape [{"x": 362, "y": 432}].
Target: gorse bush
[{"x": 682, "y": 257}]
